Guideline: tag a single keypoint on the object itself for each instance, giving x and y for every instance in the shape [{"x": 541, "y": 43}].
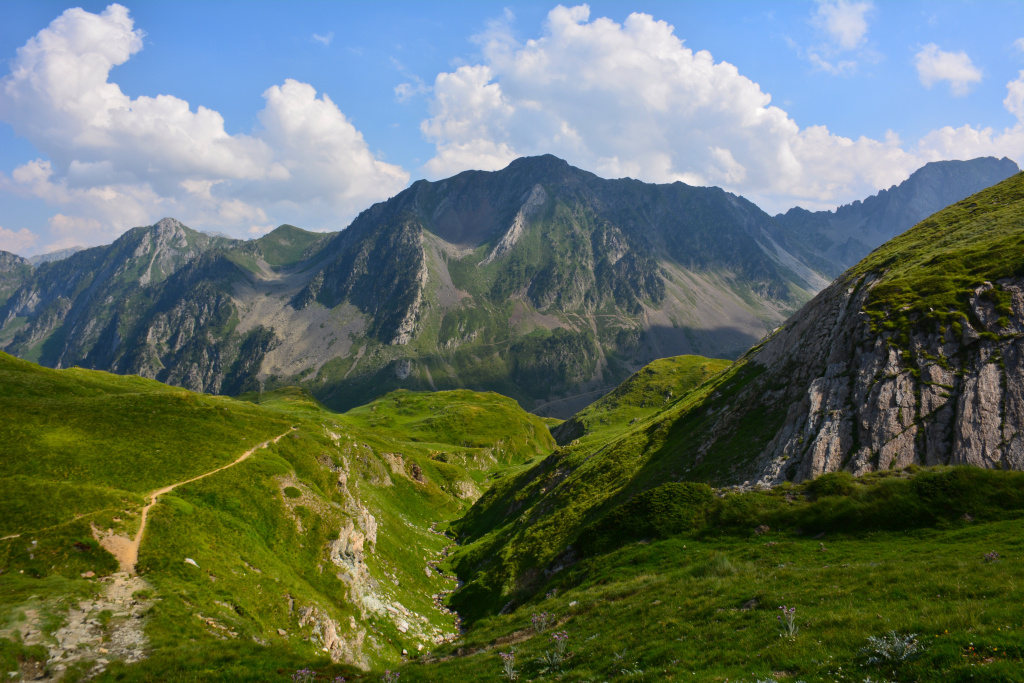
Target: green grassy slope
[
  {"x": 82, "y": 447},
  {"x": 286, "y": 244},
  {"x": 525, "y": 522},
  {"x": 524, "y": 525},
  {"x": 643, "y": 394},
  {"x": 463, "y": 418},
  {"x": 78, "y": 438},
  {"x": 926, "y": 275},
  {"x": 892, "y": 552}
]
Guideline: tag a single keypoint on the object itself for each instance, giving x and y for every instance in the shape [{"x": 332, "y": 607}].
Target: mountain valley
[{"x": 840, "y": 499}]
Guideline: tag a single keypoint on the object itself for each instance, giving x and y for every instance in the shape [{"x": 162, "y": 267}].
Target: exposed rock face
[
  {"x": 157, "y": 302},
  {"x": 83, "y": 639},
  {"x": 84, "y": 303},
  {"x": 347, "y": 552},
  {"x": 10, "y": 262},
  {"x": 857, "y": 402},
  {"x": 534, "y": 202},
  {"x": 407, "y": 325},
  {"x": 913, "y": 357},
  {"x": 342, "y": 645}
]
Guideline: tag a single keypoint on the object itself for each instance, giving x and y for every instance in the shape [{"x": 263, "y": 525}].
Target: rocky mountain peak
[
  {"x": 542, "y": 165},
  {"x": 836, "y": 240},
  {"x": 168, "y": 224},
  {"x": 58, "y": 255},
  {"x": 10, "y": 262}
]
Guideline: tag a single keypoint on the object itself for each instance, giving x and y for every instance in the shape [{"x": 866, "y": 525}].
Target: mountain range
[
  {"x": 860, "y": 465},
  {"x": 540, "y": 281},
  {"x": 913, "y": 358}
]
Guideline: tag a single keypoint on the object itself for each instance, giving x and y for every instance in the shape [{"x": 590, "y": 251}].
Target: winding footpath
[
  {"x": 125, "y": 549},
  {"x": 83, "y": 640}
]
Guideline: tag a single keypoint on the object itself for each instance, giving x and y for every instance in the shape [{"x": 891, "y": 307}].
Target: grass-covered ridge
[
  {"x": 643, "y": 394},
  {"x": 80, "y": 435},
  {"x": 458, "y": 417},
  {"x": 930, "y": 272},
  {"x": 286, "y": 244}
]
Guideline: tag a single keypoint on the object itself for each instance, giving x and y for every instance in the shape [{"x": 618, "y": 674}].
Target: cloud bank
[
  {"x": 631, "y": 99},
  {"x": 113, "y": 162}
]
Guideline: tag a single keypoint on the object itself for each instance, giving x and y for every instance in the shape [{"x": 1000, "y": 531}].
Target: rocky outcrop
[
  {"x": 860, "y": 400},
  {"x": 10, "y": 262},
  {"x": 347, "y": 552},
  {"x": 533, "y": 204},
  {"x": 14, "y": 270},
  {"x": 108, "y": 627},
  {"x": 913, "y": 357},
  {"x": 378, "y": 265},
  {"x": 406, "y": 327},
  {"x": 341, "y": 644}
]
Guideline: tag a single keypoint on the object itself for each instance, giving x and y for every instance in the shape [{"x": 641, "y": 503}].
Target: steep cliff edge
[{"x": 914, "y": 356}]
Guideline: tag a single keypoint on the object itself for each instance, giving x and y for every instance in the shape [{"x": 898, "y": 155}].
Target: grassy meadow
[
  {"x": 933, "y": 554},
  {"x": 82, "y": 448}
]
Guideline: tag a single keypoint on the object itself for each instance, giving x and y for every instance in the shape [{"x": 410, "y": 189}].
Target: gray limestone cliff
[
  {"x": 913, "y": 357},
  {"x": 860, "y": 403}
]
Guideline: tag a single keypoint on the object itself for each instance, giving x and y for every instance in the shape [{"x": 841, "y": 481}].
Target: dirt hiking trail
[{"x": 125, "y": 549}]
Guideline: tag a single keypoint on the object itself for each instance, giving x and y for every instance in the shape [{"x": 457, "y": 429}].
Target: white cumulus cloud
[
  {"x": 632, "y": 99},
  {"x": 324, "y": 39},
  {"x": 17, "y": 242},
  {"x": 845, "y": 22},
  {"x": 1014, "y": 101},
  {"x": 113, "y": 162},
  {"x": 934, "y": 65}
]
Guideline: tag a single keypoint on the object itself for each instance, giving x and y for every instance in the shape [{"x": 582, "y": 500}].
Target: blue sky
[{"x": 238, "y": 116}]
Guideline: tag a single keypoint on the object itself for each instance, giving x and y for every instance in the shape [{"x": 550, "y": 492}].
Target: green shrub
[
  {"x": 292, "y": 492},
  {"x": 661, "y": 512},
  {"x": 744, "y": 511},
  {"x": 832, "y": 484}
]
